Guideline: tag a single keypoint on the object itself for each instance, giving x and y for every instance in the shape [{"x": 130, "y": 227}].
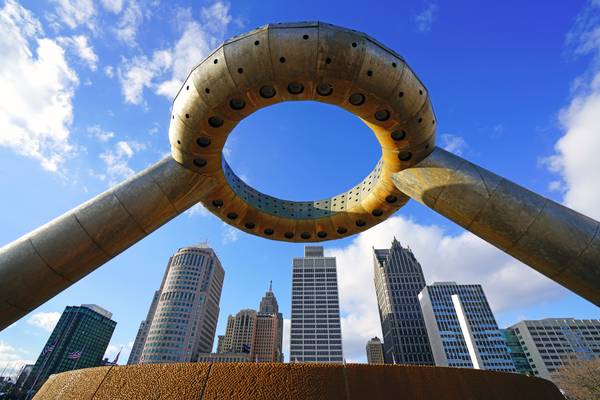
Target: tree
[{"x": 580, "y": 380}]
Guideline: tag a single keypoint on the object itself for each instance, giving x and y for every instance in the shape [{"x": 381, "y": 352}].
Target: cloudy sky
[{"x": 85, "y": 92}]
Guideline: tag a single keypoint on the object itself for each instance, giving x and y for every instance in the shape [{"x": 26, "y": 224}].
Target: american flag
[
  {"x": 75, "y": 355},
  {"x": 48, "y": 349}
]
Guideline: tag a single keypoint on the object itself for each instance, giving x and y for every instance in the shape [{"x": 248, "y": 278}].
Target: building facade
[
  {"x": 552, "y": 343},
  {"x": 398, "y": 281},
  {"x": 375, "y": 351},
  {"x": 257, "y": 336},
  {"x": 79, "y": 340},
  {"x": 316, "y": 334},
  {"x": 462, "y": 329},
  {"x": 182, "y": 319},
  {"x": 516, "y": 352}
]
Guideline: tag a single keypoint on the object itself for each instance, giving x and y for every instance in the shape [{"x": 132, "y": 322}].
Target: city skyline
[{"x": 124, "y": 139}]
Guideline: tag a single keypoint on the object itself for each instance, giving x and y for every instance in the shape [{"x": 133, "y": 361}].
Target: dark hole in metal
[
  {"x": 237, "y": 104},
  {"x": 267, "y": 92},
  {"x": 200, "y": 162},
  {"x": 217, "y": 203},
  {"x": 295, "y": 88},
  {"x": 324, "y": 89},
  {"x": 398, "y": 135},
  {"x": 382, "y": 115},
  {"x": 232, "y": 215},
  {"x": 215, "y": 122},
  {"x": 357, "y": 99},
  {"x": 203, "y": 141},
  {"x": 405, "y": 155},
  {"x": 391, "y": 198}
]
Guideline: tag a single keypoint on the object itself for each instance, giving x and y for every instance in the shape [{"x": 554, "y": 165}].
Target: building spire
[{"x": 270, "y": 286}]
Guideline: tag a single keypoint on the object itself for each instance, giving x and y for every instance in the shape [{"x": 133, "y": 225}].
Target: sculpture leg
[
  {"x": 556, "y": 241},
  {"x": 42, "y": 263}
]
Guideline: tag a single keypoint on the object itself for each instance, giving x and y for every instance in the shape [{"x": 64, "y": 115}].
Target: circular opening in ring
[
  {"x": 250, "y": 225},
  {"x": 295, "y": 88},
  {"x": 305, "y": 235},
  {"x": 322, "y": 234},
  {"x": 398, "y": 135},
  {"x": 405, "y": 155},
  {"x": 391, "y": 199},
  {"x": 232, "y": 215},
  {"x": 360, "y": 223},
  {"x": 203, "y": 141},
  {"x": 324, "y": 89},
  {"x": 217, "y": 203},
  {"x": 357, "y": 99},
  {"x": 200, "y": 162},
  {"x": 237, "y": 104},
  {"x": 377, "y": 212},
  {"x": 288, "y": 235},
  {"x": 341, "y": 230},
  {"x": 268, "y": 231},
  {"x": 267, "y": 92},
  {"x": 215, "y": 122}
]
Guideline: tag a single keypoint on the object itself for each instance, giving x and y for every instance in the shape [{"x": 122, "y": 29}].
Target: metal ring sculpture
[
  {"x": 305, "y": 61},
  {"x": 291, "y": 62}
]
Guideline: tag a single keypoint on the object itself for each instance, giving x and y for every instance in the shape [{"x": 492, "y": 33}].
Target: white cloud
[
  {"x": 166, "y": 70},
  {"x": 230, "y": 234},
  {"x": 198, "y": 209},
  {"x": 116, "y": 160},
  {"x": 45, "y": 320},
  {"x": 463, "y": 258},
  {"x": 74, "y": 13},
  {"x": 113, "y": 6},
  {"x": 576, "y": 152},
  {"x": 109, "y": 71},
  {"x": 137, "y": 74},
  {"x": 36, "y": 108},
  {"x": 101, "y": 135},
  {"x": 129, "y": 23},
  {"x": 453, "y": 143},
  {"x": 425, "y": 18},
  {"x": 81, "y": 48},
  {"x": 12, "y": 359}
]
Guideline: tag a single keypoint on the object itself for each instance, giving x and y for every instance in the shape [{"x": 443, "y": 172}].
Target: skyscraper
[
  {"x": 268, "y": 340},
  {"x": 398, "y": 281},
  {"x": 552, "y": 343},
  {"x": 79, "y": 340},
  {"x": 316, "y": 334},
  {"x": 462, "y": 329},
  {"x": 183, "y": 315},
  {"x": 375, "y": 351},
  {"x": 255, "y": 336}
]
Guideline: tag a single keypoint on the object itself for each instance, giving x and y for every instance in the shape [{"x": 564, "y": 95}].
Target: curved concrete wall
[{"x": 242, "y": 381}]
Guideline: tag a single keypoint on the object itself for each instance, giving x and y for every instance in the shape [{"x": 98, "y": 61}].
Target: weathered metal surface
[
  {"x": 560, "y": 243},
  {"x": 302, "y": 61},
  {"x": 262, "y": 381},
  {"x": 44, "y": 262}
]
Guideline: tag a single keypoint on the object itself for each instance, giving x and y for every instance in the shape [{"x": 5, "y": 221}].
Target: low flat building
[{"x": 552, "y": 343}]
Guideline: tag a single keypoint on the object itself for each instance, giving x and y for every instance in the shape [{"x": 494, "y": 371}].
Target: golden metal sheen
[
  {"x": 300, "y": 62},
  {"x": 286, "y": 62}
]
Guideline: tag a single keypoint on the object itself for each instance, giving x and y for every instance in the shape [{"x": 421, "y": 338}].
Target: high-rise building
[
  {"x": 462, "y": 329},
  {"x": 182, "y": 319},
  {"x": 316, "y": 334},
  {"x": 552, "y": 343},
  {"x": 251, "y": 335},
  {"x": 268, "y": 340},
  {"x": 375, "y": 351},
  {"x": 398, "y": 281},
  {"x": 516, "y": 352},
  {"x": 79, "y": 340}
]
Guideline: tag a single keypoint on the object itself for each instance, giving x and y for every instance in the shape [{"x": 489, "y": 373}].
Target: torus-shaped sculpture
[{"x": 289, "y": 62}]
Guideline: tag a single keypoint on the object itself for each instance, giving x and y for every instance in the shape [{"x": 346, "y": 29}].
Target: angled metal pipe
[
  {"x": 554, "y": 240},
  {"x": 46, "y": 261}
]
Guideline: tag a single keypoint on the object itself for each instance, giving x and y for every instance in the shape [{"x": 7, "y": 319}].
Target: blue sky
[{"x": 85, "y": 101}]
